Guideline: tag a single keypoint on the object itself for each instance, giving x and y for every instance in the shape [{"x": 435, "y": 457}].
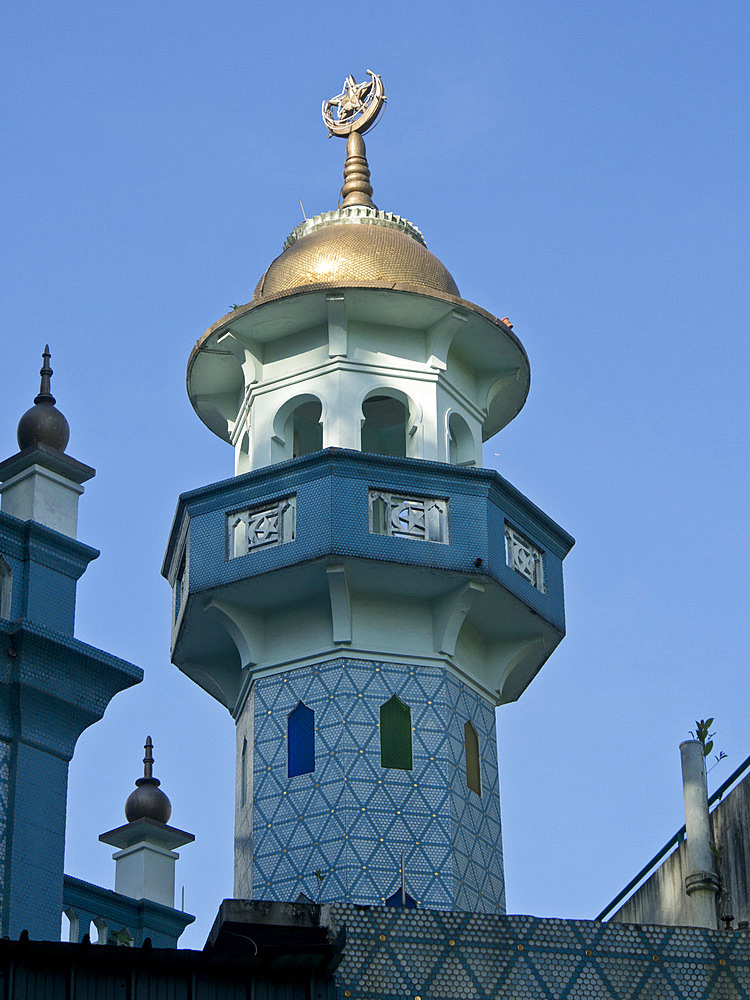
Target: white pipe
[{"x": 701, "y": 883}]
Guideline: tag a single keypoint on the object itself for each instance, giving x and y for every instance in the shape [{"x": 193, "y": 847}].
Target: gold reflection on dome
[{"x": 355, "y": 247}]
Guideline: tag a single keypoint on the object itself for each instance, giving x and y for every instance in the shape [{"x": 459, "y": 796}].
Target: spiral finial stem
[{"x": 357, "y": 189}]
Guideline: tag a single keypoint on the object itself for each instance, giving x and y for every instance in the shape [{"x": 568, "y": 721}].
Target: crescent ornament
[{"x": 357, "y": 108}]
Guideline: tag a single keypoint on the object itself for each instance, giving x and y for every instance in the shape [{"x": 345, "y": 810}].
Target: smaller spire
[
  {"x": 148, "y": 801},
  {"x": 43, "y": 423},
  {"x": 148, "y": 760},
  {"x": 45, "y": 395}
]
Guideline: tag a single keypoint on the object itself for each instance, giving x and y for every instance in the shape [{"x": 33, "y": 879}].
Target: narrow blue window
[{"x": 300, "y": 739}]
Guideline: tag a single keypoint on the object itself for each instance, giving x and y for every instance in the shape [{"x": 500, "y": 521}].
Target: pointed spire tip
[
  {"x": 45, "y": 393},
  {"x": 148, "y": 760}
]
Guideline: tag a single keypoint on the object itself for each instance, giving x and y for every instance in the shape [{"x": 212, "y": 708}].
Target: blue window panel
[
  {"x": 301, "y": 741},
  {"x": 402, "y": 900}
]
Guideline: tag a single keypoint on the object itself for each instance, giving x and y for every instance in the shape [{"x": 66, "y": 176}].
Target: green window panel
[
  {"x": 471, "y": 746},
  {"x": 395, "y": 735}
]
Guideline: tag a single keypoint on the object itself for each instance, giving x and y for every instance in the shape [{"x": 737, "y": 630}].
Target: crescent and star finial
[
  {"x": 357, "y": 108},
  {"x": 351, "y": 113}
]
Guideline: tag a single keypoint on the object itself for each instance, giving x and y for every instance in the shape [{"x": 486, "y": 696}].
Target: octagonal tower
[{"x": 362, "y": 594}]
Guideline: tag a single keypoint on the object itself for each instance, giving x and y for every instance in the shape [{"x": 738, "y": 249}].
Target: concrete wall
[{"x": 662, "y": 900}]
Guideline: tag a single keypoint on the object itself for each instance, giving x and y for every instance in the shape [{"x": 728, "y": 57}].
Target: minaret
[
  {"x": 362, "y": 595},
  {"x": 52, "y": 686},
  {"x": 145, "y": 860}
]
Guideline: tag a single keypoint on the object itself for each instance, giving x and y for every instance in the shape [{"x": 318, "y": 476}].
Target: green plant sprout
[{"x": 705, "y": 738}]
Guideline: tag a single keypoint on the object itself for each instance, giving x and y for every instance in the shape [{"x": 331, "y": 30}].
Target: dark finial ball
[
  {"x": 148, "y": 801},
  {"x": 43, "y": 424}
]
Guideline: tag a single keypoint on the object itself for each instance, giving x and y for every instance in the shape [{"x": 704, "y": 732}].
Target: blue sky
[{"x": 579, "y": 167}]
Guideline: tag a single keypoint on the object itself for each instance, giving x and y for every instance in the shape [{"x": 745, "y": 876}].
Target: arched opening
[
  {"x": 6, "y": 588},
  {"x": 395, "y": 735},
  {"x": 384, "y": 429},
  {"x": 307, "y": 430},
  {"x": 461, "y": 450},
  {"x": 297, "y": 428},
  {"x": 471, "y": 747},
  {"x": 300, "y": 740}
]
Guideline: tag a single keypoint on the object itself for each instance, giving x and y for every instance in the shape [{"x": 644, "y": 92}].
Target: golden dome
[{"x": 357, "y": 246}]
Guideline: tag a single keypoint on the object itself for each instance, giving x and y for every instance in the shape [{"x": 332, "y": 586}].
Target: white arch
[
  {"x": 102, "y": 930},
  {"x": 69, "y": 926},
  {"x": 413, "y": 424},
  {"x": 281, "y": 437},
  {"x": 461, "y": 445}
]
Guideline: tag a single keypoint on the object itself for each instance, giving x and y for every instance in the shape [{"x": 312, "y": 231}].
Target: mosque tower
[
  {"x": 363, "y": 594},
  {"x": 52, "y": 686}
]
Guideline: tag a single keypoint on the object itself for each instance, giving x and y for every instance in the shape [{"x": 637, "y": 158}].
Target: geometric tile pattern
[
  {"x": 351, "y": 819},
  {"x": 4, "y": 789},
  {"x": 475, "y": 834},
  {"x": 396, "y": 954}
]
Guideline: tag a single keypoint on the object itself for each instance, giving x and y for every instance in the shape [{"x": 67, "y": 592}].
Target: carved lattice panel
[
  {"x": 524, "y": 557},
  {"x": 399, "y": 516},
  {"x": 263, "y": 527}
]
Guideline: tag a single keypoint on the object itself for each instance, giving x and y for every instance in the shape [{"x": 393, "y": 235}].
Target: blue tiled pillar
[
  {"x": 351, "y": 819},
  {"x": 51, "y": 688},
  {"x": 36, "y": 796},
  {"x": 340, "y": 615}
]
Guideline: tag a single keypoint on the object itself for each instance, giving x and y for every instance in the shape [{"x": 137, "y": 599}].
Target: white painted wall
[
  {"x": 341, "y": 387},
  {"x": 146, "y": 871},
  {"x": 38, "y": 494}
]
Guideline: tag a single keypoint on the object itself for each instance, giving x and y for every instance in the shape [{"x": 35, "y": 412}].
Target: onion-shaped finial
[
  {"x": 43, "y": 423},
  {"x": 148, "y": 801}
]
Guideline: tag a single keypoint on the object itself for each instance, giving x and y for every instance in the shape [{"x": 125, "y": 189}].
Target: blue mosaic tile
[
  {"x": 62, "y": 686},
  {"x": 333, "y": 518},
  {"x": 350, "y": 819},
  {"x": 392, "y": 954},
  {"x": 4, "y": 779},
  {"x": 122, "y": 919}
]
